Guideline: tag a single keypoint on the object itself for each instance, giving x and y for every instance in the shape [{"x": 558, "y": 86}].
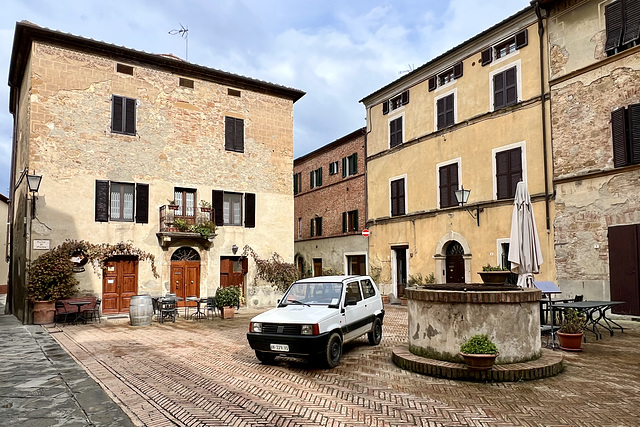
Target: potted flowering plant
[
  {"x": 479, "y": 352},
  {"x": 227, "y": 300},
  {"x": 494, "y": 275},
  {"x": 571, "y": 330},
  {"x": 51, "y": 278},
  {"x": 173, "y": 205},
  {"x": 205, "y": 206}
]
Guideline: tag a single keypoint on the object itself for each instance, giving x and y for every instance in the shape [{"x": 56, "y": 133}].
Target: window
[
  {"x": 297, "y": 183},
  {"x": 123, "y": 115},
  {"x": 367, "y": 288},
  {"x": 299, "y": 228},
  {"x": 120, "y": 201},
  {"x": 508, "y": 172},
  {"x": 445, "y": 112},
  {"x": 233, "y": 92},
  {"x": 124, "y": 69},
  {"x": 316, "y": 226},
  {"x": 315, "y": 178},
  {"x": 349, "y": 221},
  {"x": 395, "y": 102},
  {"x": 353, "y": 292},
  {"x": 445, "y": 77},
  {"x": 350, "y": 165},
  {"x": 448, "y": 184},
  {"x": 395, "y": 132},
  {"x": 185, "y": 83},
  {"x": 625, "y": 133},
  {"x": 234, "y": 134},
  {"x": 622, "y": 20},
  {"x": 505, "y": 88},
  {"x": 397, "y": 197},
  {"x": 334, "y": 167},
  {"x": 228, "y": 208},
  {"x": 186, "y": 200},
  {"x": 505, "y": 47}
]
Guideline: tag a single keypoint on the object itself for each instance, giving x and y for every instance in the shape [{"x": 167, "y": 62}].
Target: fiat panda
[{"x": 316, "y": 316}]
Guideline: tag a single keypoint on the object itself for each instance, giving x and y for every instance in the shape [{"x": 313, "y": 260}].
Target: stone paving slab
[
  {"x": 203, "y": 373},
  {"x": 41, "y": 385}
]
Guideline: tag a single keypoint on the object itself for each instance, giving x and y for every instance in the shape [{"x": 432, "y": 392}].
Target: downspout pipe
[{"x": 544, "y": 115}]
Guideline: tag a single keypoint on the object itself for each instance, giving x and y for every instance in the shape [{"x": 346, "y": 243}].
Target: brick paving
[{"x": 204, "y": 374}]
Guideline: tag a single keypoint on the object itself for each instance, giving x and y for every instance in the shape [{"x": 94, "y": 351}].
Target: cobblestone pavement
[{"x": 204, "y": 374}]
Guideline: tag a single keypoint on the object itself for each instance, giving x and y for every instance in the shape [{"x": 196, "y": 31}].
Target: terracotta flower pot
[
  {"x": 227, "y": 312},
  {"x": 570, "y": 342},
  {"x": 494, "y": 277},
  {"x": 479, "y": 362},
  {"x": 43, "y": 312}
]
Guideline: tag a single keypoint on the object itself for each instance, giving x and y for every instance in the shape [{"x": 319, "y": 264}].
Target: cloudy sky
[{"x": 338, "y": 51}]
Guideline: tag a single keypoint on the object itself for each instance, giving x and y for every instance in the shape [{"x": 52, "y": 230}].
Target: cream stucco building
[
  {"x": 116, "y": 134},
  {"x": 474, "y": 117}
]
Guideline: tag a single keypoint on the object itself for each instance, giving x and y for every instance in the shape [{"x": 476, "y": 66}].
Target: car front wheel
[
  {"x": 375, "y": 335},
  {"x": 265, "y": 358},
  {"x": 333, "y": 351}
]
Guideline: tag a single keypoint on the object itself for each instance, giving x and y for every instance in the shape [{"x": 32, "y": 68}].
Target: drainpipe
[{"x": 544, "y": 114}]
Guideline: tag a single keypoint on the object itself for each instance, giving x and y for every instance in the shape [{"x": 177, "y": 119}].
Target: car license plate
[{"x": 279, "y": 347}]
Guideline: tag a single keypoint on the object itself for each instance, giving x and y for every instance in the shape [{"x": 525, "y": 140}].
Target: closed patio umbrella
[{"x": 525, "y": 253}]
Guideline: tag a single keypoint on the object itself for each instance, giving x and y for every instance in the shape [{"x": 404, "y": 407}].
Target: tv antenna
[
  {"x": 184, "y": 33},
  {"x": 411, "y": 68}
]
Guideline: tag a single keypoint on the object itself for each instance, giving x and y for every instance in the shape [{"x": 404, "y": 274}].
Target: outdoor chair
[
  {"x": 92, "y": 311},
  {"x": 211, "y": 307},
  {"x": 64, "y": 310},
  {"x": 578, "y": 298},
  {"x": 168, "y": 310}
]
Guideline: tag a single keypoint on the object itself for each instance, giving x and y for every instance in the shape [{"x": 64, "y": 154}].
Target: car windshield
[{"x": 313, "y": 294}]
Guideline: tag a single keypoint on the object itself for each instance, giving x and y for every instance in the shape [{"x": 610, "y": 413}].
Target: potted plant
[
  {"x": 571, "y": 330},
  {"x": 51, "y": 277},
  {"x": 494, "y": 275},
  {"x": 206, "y": 229},
  {"x": 205, "y": 206},
  {"x": 181, "y": 224},
  {"x": 479, "y": 352},
  {"x": 173, "y": 204},
  {"x": 227, "y": 300}
]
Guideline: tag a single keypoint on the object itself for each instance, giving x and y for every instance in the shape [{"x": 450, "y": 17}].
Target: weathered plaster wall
[{"x": 332, "y": 251}]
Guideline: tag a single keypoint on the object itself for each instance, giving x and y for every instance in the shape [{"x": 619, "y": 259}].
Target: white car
[{"x": 316, "y": 316}]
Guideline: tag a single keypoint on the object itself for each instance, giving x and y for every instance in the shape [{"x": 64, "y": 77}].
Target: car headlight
[
  {"x": 256, "y": 327},
  {"x": 306, "y": 330}
]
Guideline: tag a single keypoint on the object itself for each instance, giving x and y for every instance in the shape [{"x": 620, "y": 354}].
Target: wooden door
[
  {"x": 401, "y": 269},
  {"x": 455, "y": 263},
  {"x": 119, "y": 284},
  {"x": 624, "y": 262},
  {"x": 232, "y": 271},
  {"x": 317, "y": 267},
  {"x": 185, "y": 280}
]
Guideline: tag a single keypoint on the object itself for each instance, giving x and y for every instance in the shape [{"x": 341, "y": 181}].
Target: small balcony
[{"x": 173, "y": 227}]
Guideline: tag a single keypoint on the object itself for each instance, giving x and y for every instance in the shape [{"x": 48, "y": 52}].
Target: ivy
[{"x": 274, "y": 270}]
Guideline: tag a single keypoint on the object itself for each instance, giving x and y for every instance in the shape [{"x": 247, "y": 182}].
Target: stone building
[
  {"x": 330, "y": 208},
  {"x": 4, "y": 233},
  {"x": 474, "y": 118},
  {"x": 595, "y": 105},
  {"x": 116, "y": 134}
]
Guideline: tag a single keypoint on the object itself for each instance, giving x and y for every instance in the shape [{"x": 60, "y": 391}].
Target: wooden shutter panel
[
  {"x": 433, "y": 83},
  {"x": 619, "y": 137},
  {"x": 102, "y": 201},
  {"x": 511, "y": 86},
  {"x": 522, "y": 39},
  {"x": 502, "y": 175},
  {"x": 634, "y": 133},
  {"x": 295, "y": 183},
  {"x": 116, "y": 113},
  {"x": 353, "y": 167},
  {"x": 385, "y": 107},
  {"x": 453, "y": 183},
  {"x": 444, "y": 187},
  {"x": 457, "y": 70},
  {"x": 344, "y": 222},
  {"x": 344, "y": 167},
  {"x": 130, "y": 116},
  {"x": 229, "y": 133},
  {"x": 624, "y": 268},
  {"x": 312, "y": 180},
  {"x": 319, "y": 226},
  {"x": 218, "y": 213},
  {"x": 632, "y": 24},
  {"x": 405, "y": 97},
  {"x": 441, "y": 113},
  {"x": 238, "y": 143},
  {"x": 394, "y": 198},
  {"x": 401, "y": 197},
  {"x": 249, "y": 210},
  {"x": 142, "y": 203},
  {"x": 487, "y": 56},
  {"x": 515, "y": 170},
  {"x": 319, "y": 177},
  {"x": 355, "y": 220},
  {"x": 312, "y": 227},
  {"x": 392, "y": 133},
  {"x": 498, "y": 91},
  {"x": 449, "y": 110},
  {"x": 615, "y": 24}
]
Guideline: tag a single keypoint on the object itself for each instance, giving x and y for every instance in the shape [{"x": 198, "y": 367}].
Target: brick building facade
[{"x": 330, "y": 208}]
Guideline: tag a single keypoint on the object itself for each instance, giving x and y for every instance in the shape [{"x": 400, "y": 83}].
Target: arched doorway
[
  {"x": 185, "y": 274},
  {"x": 455, "y": 262}
]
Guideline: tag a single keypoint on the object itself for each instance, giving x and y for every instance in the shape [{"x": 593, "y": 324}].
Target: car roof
[{"x": 330, "y": 279}]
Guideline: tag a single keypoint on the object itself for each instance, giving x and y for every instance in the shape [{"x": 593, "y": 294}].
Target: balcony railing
[{"x": 168, "y": 218}]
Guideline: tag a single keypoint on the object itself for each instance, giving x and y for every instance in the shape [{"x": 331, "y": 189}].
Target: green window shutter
[
  {"x": 319, "y": 226},
  {"x": 355, "y": 220},
  {"x": 311, "y": 225},
  {"x": 311, "y": 180},
  {"x": 319, "y": 177},
  {"x": 344, "y": 167},
  {"x": 344, "y": 222}
]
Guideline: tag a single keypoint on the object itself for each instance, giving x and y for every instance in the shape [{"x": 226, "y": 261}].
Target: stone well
[{"x": 441, "y": 320}]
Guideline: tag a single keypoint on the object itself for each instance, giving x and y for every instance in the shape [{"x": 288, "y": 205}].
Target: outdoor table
[
  {"x": 199, "y": 314},
  {"x": 591, "y": 308},
  {"x": 79, "y": 315}
]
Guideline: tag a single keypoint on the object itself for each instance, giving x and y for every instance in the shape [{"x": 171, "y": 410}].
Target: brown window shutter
[
  {"x": 250, "y": 210},
  {"x": 522, "y": 39},
  {"x": 457, "y": 70},
  {"x": 319, "y": 177},
  {"x": 619, "y": 137},
  {"x": 441, "y": 113},
  {"x": 218, "y": 196},
  {"x": 355, "y": 220},
  {"x": 116, "y": 113},
  {"x": 634, "y": 133},
  {"x": 312, "y": 181},
  {"x": 433, "y": 83},
  {"x": 614, "y": 22},
  {"x": 344, "y": 222},
  {"x": 511, "y": 86},
  {"x": 385, "y": 107},
  {"x": 502, "y": 175},
  {"x": 229, "y": 133},
  {"x": 449, "y": 110},
  {"x": 453, "y": 183},
  {"x": 130, "y": 116},
  {"x": 444, "y": 187},
  {"x": 632, "y": 24},
  {"x": 102, "y": 201},
  {"x": 312, "y": 227},
  {"x": 405, "y": 97},
  {"x": 142, "y": 203},
  {"x": 239, "y": 136},
  {"x": 295, "y": 183},
  {"x": 515, "y": 170},
  {"x": 498, "y": 91},
  {"x": 487, "y": 56},
  {"x": 401, "y": 197}
]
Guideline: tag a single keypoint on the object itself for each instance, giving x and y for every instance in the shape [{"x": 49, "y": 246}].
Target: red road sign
[{"x": 365, "y": 232}]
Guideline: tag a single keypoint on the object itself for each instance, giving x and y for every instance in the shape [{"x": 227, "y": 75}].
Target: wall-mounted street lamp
[
  {"x": 33, "y": 181},
  {"x": 234, "y": 249},
  {"x": 462, "y": 196}
]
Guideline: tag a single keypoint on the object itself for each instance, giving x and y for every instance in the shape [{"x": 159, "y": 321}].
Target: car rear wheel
[
  {"x": 265, "y": 358},
  {"x": 375, "y": 335},
  {"x": 333, "y": 351}
]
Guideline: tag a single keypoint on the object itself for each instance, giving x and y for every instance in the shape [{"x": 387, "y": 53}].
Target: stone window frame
[
  {"x": 454, "y": 93},
  {"x": 400, "y": 132},
  {"x": 518, "y": 66}
]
